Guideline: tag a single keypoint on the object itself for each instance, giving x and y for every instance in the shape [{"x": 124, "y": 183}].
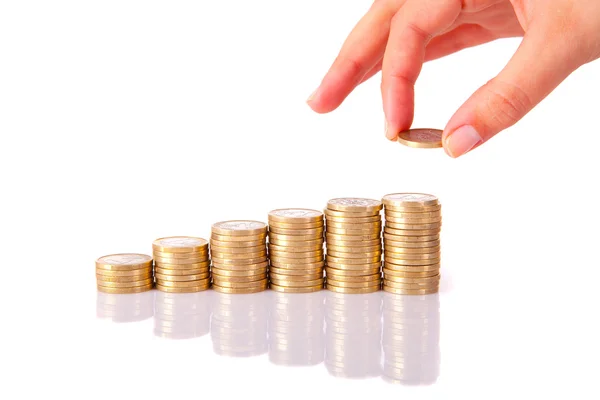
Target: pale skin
[{"x": 397, "y": 36}]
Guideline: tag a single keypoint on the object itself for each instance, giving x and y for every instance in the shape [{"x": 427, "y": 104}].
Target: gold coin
[
  {"x": 295, "y": 243},
  {"x": 301, "y": 270},
  {"x": 229, "y": 290},
  {"x": 346, "y": 214},
  {"x": 198, "y": 282},
  {"x": 355, "y": 238},
  {"x": 357, "y": 278},
  {"x": 296, "y": 227},
  {"x": 124, "y": 262},
  {"x": 362, "y": 256},
  {"x": 179, "y": 244},
  {"x": 413, "y": 220},
  {"x": 403, "y": 285},
  {"x": 410, "y": 200},
  {"x": 354, "y": 250},
  {"x": 421, "y": 138},
  {"x": 294, "y": 278},
  {"x": 434, "y": 266},
  {"x": 352, "y": 272},
  {"x": 283, "y": 261},
  {"x": 250, "y": 238},
  {"x": 295, "y": 232},
  {"x": 181, "y": 256},
  {"x": 391, "y": 274},
  {"x": 136, "y": 289},
  {"x": 182, "y": 267},
  {"x": 239, "y": 279},
  {"x": 239, "y": 228},
  {"x": 231, "y": 244},
  {"x": 181, "y": 261},
  {"x": 405, "y": 256},
  {"x": 241, "y": 273},
  {"x": 128, "y": 279},
  {"x": 181, "y": 272},
  {"x": 295, "y": 249},
  {"x": 296, "y": 215},
  {"x": 294, "y": 238},
  {"x": 420, "y": 250},
  {"x": 392, "y": 225},
  {"x": 353, "y": 204},
  {"x": 345, "y": 264},
  {"x": 108, "y": 284},
  {"x": 413, "y": 208},
  {"x": 411, "y": 232},
  {"x": 238, "y": 250},
  {"x": 409, "y": 263},
  {"x": 359, "y": 226},
  {"x": 253, "y": 284},
  {"x": 410, "y": 239},
  {"x": 410, "y": 291},
  {"x": 128, "y": 273},
  {"x": 288, "y": 283},
  {"x": 355, "y": 220},
  {"x": 354, "y": 232},
  {"x": 412, "y": 214},
  {"x": 354, "y": 244},
  {"x": 239, "y": 256},
  {"x": 352, "y": 261},
  {"x": 411, "y": 245},
  {"x": 305, "y": 289},
  {"x": 182, "y": 278},
  {"x": 348, "y": 284},
  {"x": 237, "y": 264},
  {"x": 187, "y": 289},
  {"x": 348, "y": 290},
  {"x": 418, "y": 280},
  {"x": 296, "y": 264},
  {"x": 289, "y": 254}
]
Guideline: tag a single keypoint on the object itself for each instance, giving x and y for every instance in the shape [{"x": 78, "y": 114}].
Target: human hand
[{"x": 398, "y": 36}]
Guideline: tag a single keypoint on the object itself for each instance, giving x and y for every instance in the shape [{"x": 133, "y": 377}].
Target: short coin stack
[
  {"x": 296, "y": 250},
  {"x": 239, "y": 256},
  {"x": 353, "y": 238},
  {"x": 412, "y": 243},
  {"x": 182, "y": 264},
  {"x": 124, "y": 273}
]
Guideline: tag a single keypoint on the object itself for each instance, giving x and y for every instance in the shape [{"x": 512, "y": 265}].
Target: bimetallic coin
[
  {"x": 421, "y": 138},
  {"x": 353, "y": 250},
  {"x": 304, "y": 254},
  {"x": 352, "y": 272},
  {"x": 353, "y": 204},
  {"x": 129, "y": 273},
  {"x": 348, "y": 284},
  {"x": 123, "y": 262},
  {"x": 348, "y": 290},
  {"x": 393, "y": 274},
  {"x": 296, "y": 278},
  {"x": 181, "y": 272},
  {"x": 410, "y": 291},
  {"x": 288, "y": 283},
  {"x": 108, "y": 284},
  {"x": 181, "y": 256},
  {"x": 231, "y": 244},
  {"x": 354, "y": 232},
  {"x": 248, "y": 284},
  {"x": 239, "y": 228},
  {"x": 198, "y": 282},
  {"x": 348, "y": 266},
  {"x": 362, "y": 226},
  {"x": 410, "y": 245},
  {"x": 179, "y": 244},
  {"x": 186, "y": 289},
  {"x": 347, "y": 214},
  {"x": 413, "y": 213},
  {"x": 411, "y": 232},
  {"x": 300, "y": 215},
  {"x": 248, "y": 238},
  {"x": 180, "y": 278},
  {"x": 404, "y": 250},
  {"x": 296, "y": 232},
  {"x": 281, "y": 243},
  {"x": 295, "y": 249},
  {"x": 229, "y": 290},
  {"x": 241, "y": 273},
  {"x": 288, "y": 289},
  {"x": 237, "y": 262},
  {"x": 300, "y": 270},
  {"x": 294, "y": 226},
  {"x": 359, "y": 261},
  {"x": 294, "y": 238},
  {"x": 355, "y": 220},
  {"x": 239, "y": 279},
  {"x": 412, "y": 268},
  {"x": 180, "y": 261},
  {"x": 410, "y": 239},
  {"x": 393, "y": 225},
  {"x": 132, "y": 278},
  {"x": 421, "y": 280},
  {"x": 361, "y": 278},
  {"x": 362, "y": 255},
  {"x": 405, "y": 256},
  {"x": 114, "y": 290}
]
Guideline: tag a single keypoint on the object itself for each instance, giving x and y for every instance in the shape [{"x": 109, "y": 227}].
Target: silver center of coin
[
  {"x": 349, "y": 201},
  {"x": 180, "y": 242},
  {"x": 125, "y": 259},
  {"x": 240, "y": 225},
  {"x": 296, "y": 213},
  {"x": 410, "y": 197}
]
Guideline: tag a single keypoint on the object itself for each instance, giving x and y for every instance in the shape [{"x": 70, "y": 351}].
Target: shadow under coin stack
[
  {"x": 412, "y": 243},
  {"x": 182, "y": 264},
  {"x": 239, "y": 256},
  {"x": 296, "y": 250},
  {"x": 124, "y": 273},
  {"x": 353, "y": 238}
]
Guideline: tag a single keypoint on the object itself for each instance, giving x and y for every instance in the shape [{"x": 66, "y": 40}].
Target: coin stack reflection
[
  {"x": 353, "y": 335},
  {"x": 296, "y": 250},
  {"x": 239, "y": 324},
  {"x": 182, "y": 315},
  {"x": 134, "y": 307},
  {"x": 296, "y": 335},
  {"x": 411, "y": 336},
  {"x": 412, "y": 243},
  {"x": 239, "y": 256},
  {"x": 182, "y": 264},
  {"x": 124, "y": 273},
  {"x": 353, "y": 245}
]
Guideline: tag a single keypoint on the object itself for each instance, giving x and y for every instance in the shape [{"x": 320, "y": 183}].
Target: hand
[{"x": 398, "y": 36}]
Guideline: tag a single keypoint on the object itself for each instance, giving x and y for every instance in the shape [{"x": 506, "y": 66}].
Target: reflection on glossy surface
[
  {"x": 239, "y": 324},
  {"x": 353, "y": 335},
  {"x": 182, "y": 315},
  {"x": 296, "y": 335},
  {"x": 125, "y": 307},
  {"x": 411, "y": 334}
]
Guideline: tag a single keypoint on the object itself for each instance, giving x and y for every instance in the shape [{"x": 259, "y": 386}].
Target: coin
[
  {"x": 229, "y": 290},
  {"x": 299, "y": 215},
  {"x": 288, "y": 283},
  {"x": 394, "y": 225},
  {"x": 355, "y": 232},
  {"x": 198, "y": 282},
  {"x": 238, "y": 273},
  {"x": 238, "y": 285},
  {"x": 354, "y": 250},
  {"x": 353, "y": 220},
  {"x": 279, "y": 261},
  {"x": 412, "y": 220},
  {"x": 352, "y": 272},
  {"x": 412, "y": 208},
  {"x": 352, "y": 238},
  {"x": 352, "y": 214},
  {"x": 295, "y": 249},
  {"x": 291, "y": 254},
  {"x": 294, "y": 243},
  {"x": 360, "y": 278},
  {"x": 411, "y": 239},
  {"x": 197, "y": 265},
  {"x": 131, "y": 278},
  {"x": 296, "y": 226},
  {"x": 179, "y": 244},
  {"x": 274, "y": 237},
  {"x": 347, "y": 261},
  {"x": 238, "y": 262},
  {"x": 181, "y": 256},
  {"x": 421, "y": 138},
  {"x": 391, "y": 274},
  {"x": 180, "y": 261},
  {"x": 300, "y": 278},
  {"x": 408, "y": 250},
  {"x": 395, "y": 261},
  {"x": 239, "y": 228},
  {"x": 411, "y": 245},
  {"x": 239, "y": 279},
  {"x": 128, "y": 273},
  {"x": 348, "y": 290},
  {"x": 350, "y": 266},
  {"x": 412, "y": 213},
  {"x": 349, "y": 284},
  {"x": 136, "y": 289},
  {"x": 410, "y": 291},
  {"x": 288, "y": 289},
  {"x": 186, "y": 289},
  {"x": 248, "y": 238},
  {"x": 353, "y": 204},
  {"x": 412, "y": 268},
  {"x": 240, "y": 256},
  {"x": 407, "y": 256},
  {"x": 412, "y": 232},
  {"x": 124, "y": 262},
  {"x": 353, "y": 244},
  {"x": 238, "y": 244},
  {"x": 108, "y": 284},
  {"x": 359, "y": 226},
  {"x": 296, "y": 232},
  {"x": 181, "y": 278},
  {"x": 419, "y": 280}
]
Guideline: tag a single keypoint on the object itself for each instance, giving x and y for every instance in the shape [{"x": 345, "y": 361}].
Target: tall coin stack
[
  {"x": 182, "y": 264},
  {"x": 239, "y": 256},
  {"x": 353, "y": 237},
  {"x": 296, "y": 250},
  {"x": 411, "y": 240},
  {"x": 124, "y": 273}
]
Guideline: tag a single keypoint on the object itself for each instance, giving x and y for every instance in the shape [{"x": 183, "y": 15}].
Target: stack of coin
[
  {"x": 412, "y": 243},
  {"x": 411, "y": 339},
  {"x": 296, "y": 250},
  {"x": 182, "y": 315},
  {"x": 181, "y": 264},
  {"x": 239, "y": 256},
  {"x": 296, "y": 335},
  {"x": 353, "y": 245},
  {"x": 353, "y": 335},
  {"x": 124, "y": 273}
]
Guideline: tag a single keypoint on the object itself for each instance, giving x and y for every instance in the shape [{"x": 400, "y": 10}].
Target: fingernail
[
  {"x": 312, "y": 96},
  {"x": 390, "y": 134},
  {"x": 461, "y": 141}
]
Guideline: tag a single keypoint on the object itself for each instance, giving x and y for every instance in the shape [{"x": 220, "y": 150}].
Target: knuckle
[{"x": 505, "y": 103}]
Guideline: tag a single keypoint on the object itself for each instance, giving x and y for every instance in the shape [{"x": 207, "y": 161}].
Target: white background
[{"x": 124, "y": 121}]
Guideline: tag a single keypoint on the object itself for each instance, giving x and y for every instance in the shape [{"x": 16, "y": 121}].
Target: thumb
[{"x": 539, "y": 65}]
